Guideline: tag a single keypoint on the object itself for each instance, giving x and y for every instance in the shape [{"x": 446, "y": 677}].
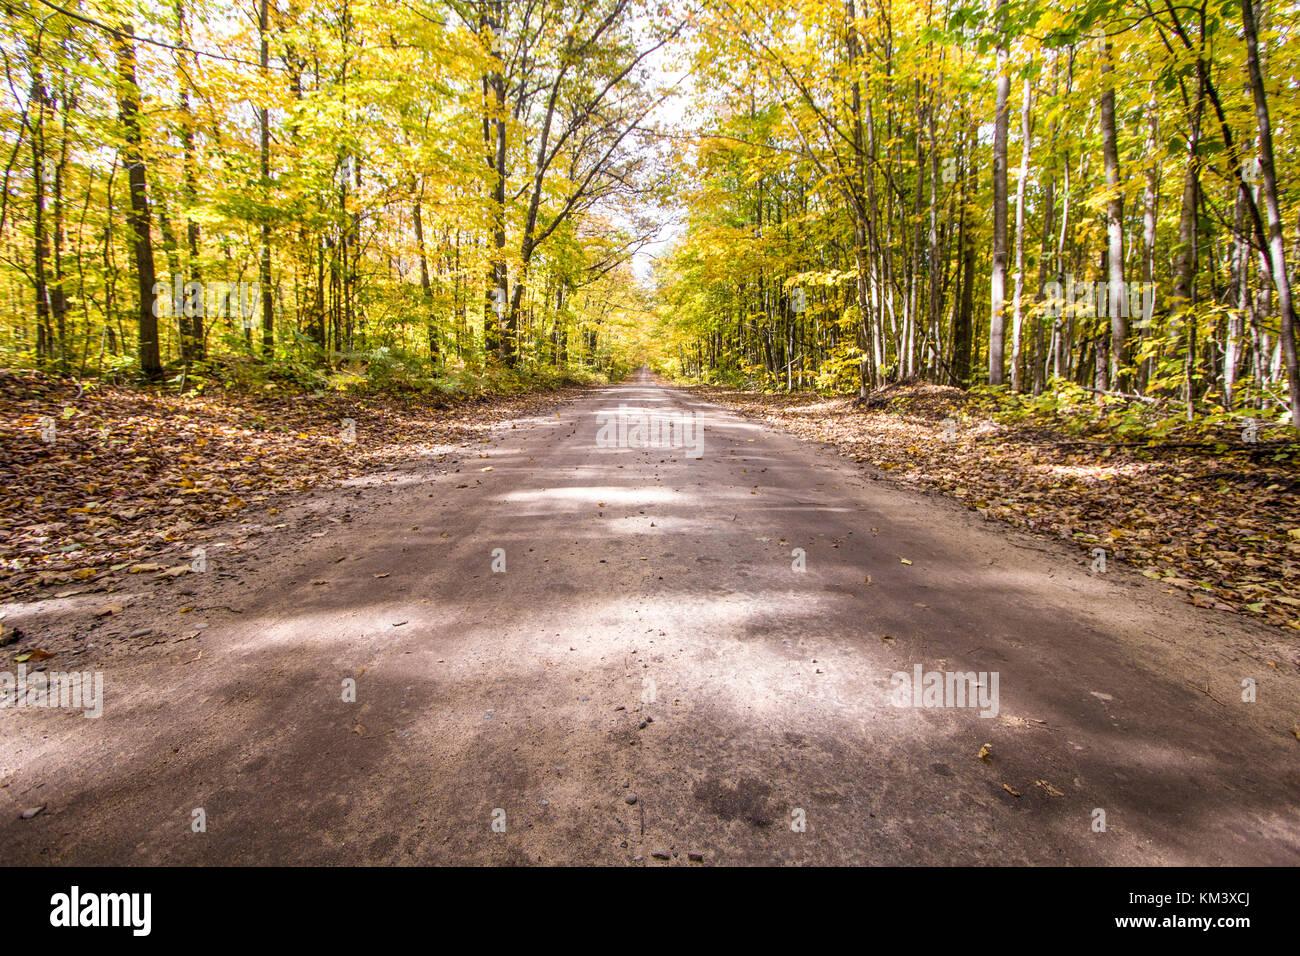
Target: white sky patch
[{"x": 672, "y": 117}]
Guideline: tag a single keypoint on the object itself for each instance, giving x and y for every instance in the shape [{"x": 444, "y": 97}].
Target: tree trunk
[
  {"x": 1017, "y": 307},
  {"x": 1150, "y": 196},
  {"x": 1276, "y": 249},
  {"x": 1117, "y": 301},
  {"x": 192, "y": 332},
  {"x": 426, "y": 287},
  {"x": 264, "y": 266},
  {"x": 138, "y": 217},
  {"x": 494, "y": 141},
  {"x": 1182, "y": 306},
  {"x": 963, "y": 315},
  {"x": 998, "y": 279}
]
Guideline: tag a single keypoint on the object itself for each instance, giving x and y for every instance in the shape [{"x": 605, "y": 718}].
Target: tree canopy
[{"x": 1018, "y": 194}]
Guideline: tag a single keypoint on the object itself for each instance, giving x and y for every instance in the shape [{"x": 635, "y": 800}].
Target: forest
[
  {"x": 1021, "y": 195},
  {"x": 292, "y": 190},
  {"x": 820, "y": 194}
]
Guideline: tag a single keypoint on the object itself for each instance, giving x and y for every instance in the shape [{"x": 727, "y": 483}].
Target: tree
[
  {"x": 138, "y": 221},
  {"x": 1268, "y": 173},
  {"x": 997, "y": 283}
]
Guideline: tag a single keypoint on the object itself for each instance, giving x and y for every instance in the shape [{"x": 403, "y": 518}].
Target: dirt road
[{"x": 651, "y": 679}]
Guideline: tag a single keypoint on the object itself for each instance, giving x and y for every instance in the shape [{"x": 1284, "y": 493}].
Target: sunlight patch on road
[{"x": 594, "y": 495}]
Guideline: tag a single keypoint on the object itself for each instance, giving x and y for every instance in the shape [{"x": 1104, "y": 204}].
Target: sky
[{"x": 670, "y": 115}]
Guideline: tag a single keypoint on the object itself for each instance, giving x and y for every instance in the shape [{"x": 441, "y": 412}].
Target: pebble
[
  {"x": 30, "y": 812},
  {"x": 630, "y": 799},
  {"x": 661, "y": 855}
]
